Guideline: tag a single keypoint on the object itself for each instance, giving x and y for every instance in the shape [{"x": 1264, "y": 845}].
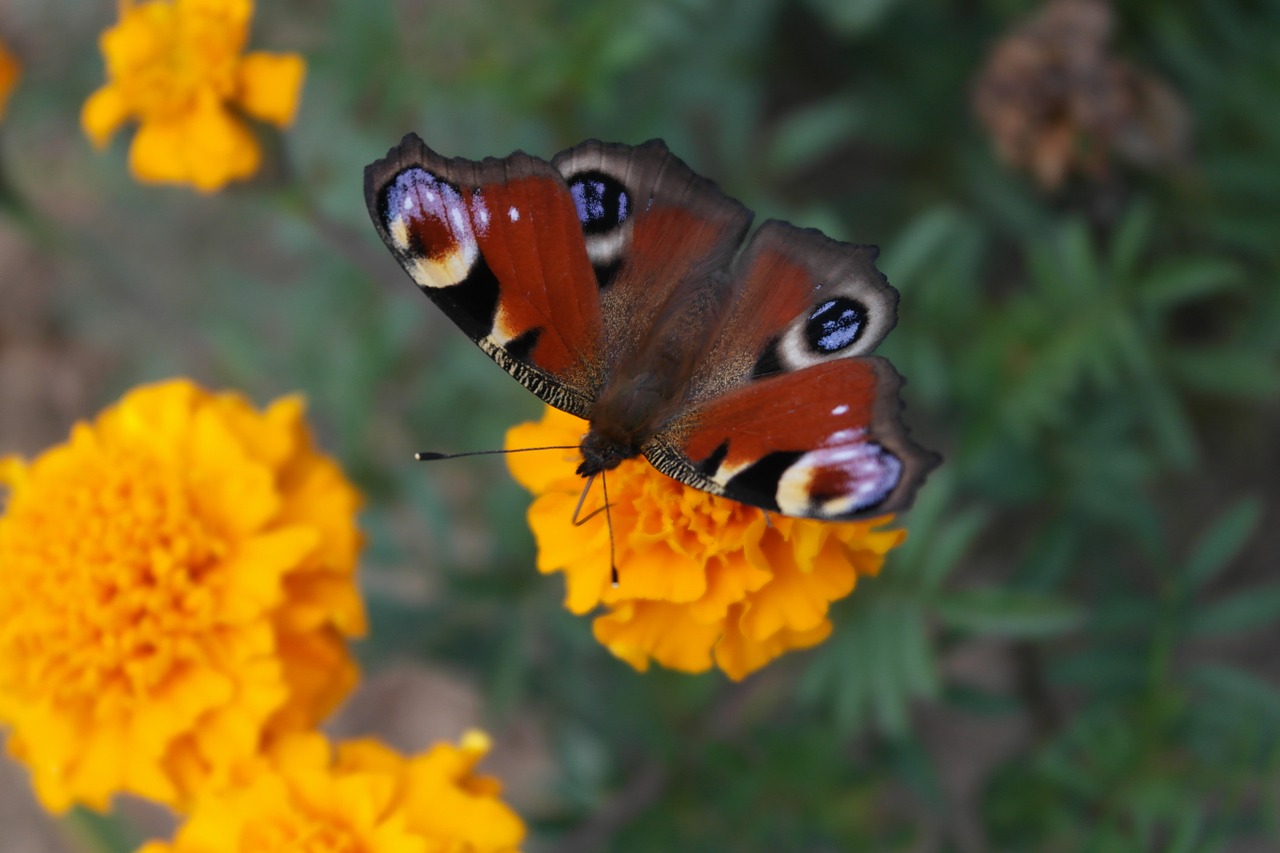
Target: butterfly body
[{"x": 610, "y": 282}]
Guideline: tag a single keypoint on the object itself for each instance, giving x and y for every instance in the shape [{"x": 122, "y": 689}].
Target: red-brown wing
[
  {"x": 660, "y": 238},
  {"x": 801, "y": 299},
  {"x": 498, "y": 245},
  {"x": 823, "y": 442}
]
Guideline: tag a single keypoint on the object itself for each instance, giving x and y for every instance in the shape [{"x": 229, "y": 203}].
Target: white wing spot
[
  {"x": 407, "y": 204},
  {"x": 840, "y": 409},
  {"x": 514, "y": 214},
  {"x": 459, "y": 223}
]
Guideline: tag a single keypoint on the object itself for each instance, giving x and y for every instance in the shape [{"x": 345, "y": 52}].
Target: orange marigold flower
[
  {"x": 702, "y": 579},
  {"x": 177, "y": 67},
  {"x": 9, "y": 74},
  {"x": 176, "y": 585},
  {"x": 367, "y": 798}
]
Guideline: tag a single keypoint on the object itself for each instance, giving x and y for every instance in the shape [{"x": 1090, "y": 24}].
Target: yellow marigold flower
[
  {"x": 177, "y": 67},
  {"x": 177, "y": 581},
  {"x": 367, "y": 798},
  {"x": 9, "y": 74},
  {"x": 702, "y": 579}
]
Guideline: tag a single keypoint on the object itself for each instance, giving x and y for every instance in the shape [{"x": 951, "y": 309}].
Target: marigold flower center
[
  {"x": 104, "y": 583},
  {"x": 692, "y": 521}
]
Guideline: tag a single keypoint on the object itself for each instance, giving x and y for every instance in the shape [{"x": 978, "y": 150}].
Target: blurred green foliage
[{"x": 1074, "y": 651}]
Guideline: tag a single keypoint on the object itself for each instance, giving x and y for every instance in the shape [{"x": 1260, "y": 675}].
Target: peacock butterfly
[{"x": 609, "y": 282}]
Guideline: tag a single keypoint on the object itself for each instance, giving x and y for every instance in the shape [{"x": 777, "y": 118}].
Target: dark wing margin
[{"x": 497, "y": 245}]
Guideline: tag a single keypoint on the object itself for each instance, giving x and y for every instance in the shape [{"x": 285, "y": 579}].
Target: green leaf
[
  {"x": 101, "y": 833},
  {"x": 889, "y": 690},
  {"x": 1130, "y": 239},
  {"x": 1226, "y": 372},
  {"x": 1249, "y": 610},
  {"x": 1229, "y": 685},
  {"x": 808, "y": 134},
  {"x": 909, "y": 254},
  {"x": 1186, "y": 279},
  {"x": 1008, "y": 613},
  {"x": 949, "y": 542},
  {"x": 851, "y": 17},
  {"x": 1079, "y": 262},
  {"x": 1223, "y": 540}
]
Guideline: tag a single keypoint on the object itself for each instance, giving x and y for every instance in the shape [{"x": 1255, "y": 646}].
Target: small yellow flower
[
  {"x": 177, "y": 583},
  {"x": 9, "y": 74},
  {"x": 368, "y": 799},
  {"x": 177, "y": 67},
  {"x": 702, "y": 579}
]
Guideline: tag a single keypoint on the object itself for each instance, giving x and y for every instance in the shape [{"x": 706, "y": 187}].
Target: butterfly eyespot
[
  {"x": 834, "y": 325},
  {"x": 605, "y": 208},
  {"x": 602, "y": 202},
  {"x": 837, "y": 481},
  {"x": 428, "y": 222}
]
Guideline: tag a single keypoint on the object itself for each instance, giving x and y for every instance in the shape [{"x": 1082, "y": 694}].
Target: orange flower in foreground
[
  {"x": 702, "y": 579},
  {"x": 368, "y": 798},
  {"x": 177, "y": 67},
  {"x": 9, "y": 74},
  {"x": 176, "y": 586}
]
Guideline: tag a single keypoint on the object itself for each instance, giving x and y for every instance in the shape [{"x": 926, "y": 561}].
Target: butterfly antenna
[
  {"x": 432, "y": 456},
  {"x": 578, "y": 522},
  {"x": 608, "y": 517}
]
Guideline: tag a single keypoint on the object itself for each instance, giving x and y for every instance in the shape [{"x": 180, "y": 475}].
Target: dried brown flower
[{"x": 1055, "y": 102}]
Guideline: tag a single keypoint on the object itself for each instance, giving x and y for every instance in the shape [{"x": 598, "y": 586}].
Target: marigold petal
[
  {"x": 584, "y": 558},
  {"x": 797, "y": 599},
  {"x": 254, "y": 573},
  {"x": 12, "y": 471},
  {"x": 156, "y": 154},
  {"x": 270, "y": 85},
  {"x": 639, "y": 630},
  {"x": 206, "y": 148},
  {"x": 726, "y": 586},
  {"x": 440, "y": 805},
  {"x": 539, "y": 471},
  {"x": 320, "y": 675},
  {"x": 219, "y": 147},
  {"x": 739, "y": 655},
  {"x": 661, "y": 574},
  {"x": 102, "y": 114}
]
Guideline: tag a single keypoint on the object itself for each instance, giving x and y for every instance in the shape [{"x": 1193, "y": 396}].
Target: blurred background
[{"x": 1077, "y": 647}]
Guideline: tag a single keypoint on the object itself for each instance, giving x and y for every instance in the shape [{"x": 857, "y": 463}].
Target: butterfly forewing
[{"x": 498, "y": 246}]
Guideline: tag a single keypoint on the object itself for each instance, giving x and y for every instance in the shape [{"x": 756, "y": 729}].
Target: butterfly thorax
[
  {"x": 626, "y": 415},
  {"x": 602, "y": 453}
]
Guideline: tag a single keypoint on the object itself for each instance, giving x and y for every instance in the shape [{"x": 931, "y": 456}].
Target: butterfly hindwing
[
  {"x": 823, "y": 442},
  {"x": 498, "y": 245},
  {"x": 787, "y": 412},
  {"x": 800, "y": 299}
]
